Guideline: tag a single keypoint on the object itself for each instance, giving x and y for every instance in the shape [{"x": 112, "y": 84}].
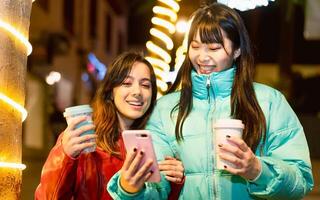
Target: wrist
[
  {"x": 256, "y": 172},
  {"x": 127, "y": 187}
]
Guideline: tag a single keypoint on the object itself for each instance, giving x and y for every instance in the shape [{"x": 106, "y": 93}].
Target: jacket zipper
[
  {"x": 208, "y": 89},
  {"x": 208, "y": 85}
]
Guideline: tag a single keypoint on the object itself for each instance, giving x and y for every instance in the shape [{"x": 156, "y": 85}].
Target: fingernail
[
  {"x": 225, "y": 166},
  {"x": 141, "y": 152},
  {"x": 134, "y": 149},
  {"x": 219, "y": 145},
  {"x": 228, "y": 136}
]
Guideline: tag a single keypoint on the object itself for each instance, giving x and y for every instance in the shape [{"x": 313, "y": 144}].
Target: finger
[
  {"x": 232, "y": 170},
  {"x": 231, "y": 159},
  {"x": 129, "y": 158},
  {"x": 166, "y": 167},
  {"x": 239, "y": 142},
  {"x": 135, "y": 163},
  {"x": 171, "y": 162},
  {"x": 82, "y": 129},
  {"x": 84, "y": 139},
  {"x": 169, "y": 158},
  {"x": 81, "y": 147},
  {"x": 173, "y": 174},
  {"x": 231, "y": 149},
  {"x": 74, "y": 121},
  {"x": 147, "y": 176},
  {"x": 173, "y": 179},
  {"x": 143, "y": 171}
]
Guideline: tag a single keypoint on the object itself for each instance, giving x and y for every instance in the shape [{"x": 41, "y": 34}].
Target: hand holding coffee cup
[
  {"x": 233, "y": 154},
  {"x": 79, "y": 136}
]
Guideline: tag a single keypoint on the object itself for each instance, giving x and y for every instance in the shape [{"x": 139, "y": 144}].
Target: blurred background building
[{"x": 75, "y": 40}]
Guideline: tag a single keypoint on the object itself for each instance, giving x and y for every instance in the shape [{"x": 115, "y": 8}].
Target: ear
[{"x": 236, "y": 53}]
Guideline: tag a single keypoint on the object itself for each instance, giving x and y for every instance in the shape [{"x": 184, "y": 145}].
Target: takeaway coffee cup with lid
[
  {"x": 222, "y": 128},
  {"x": 81, "y": 110}
]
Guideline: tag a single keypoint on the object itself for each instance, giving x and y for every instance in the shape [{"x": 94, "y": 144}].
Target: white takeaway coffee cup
[
  {"x": 222, "y": 128},
  {"x": 81, "y": 110}
]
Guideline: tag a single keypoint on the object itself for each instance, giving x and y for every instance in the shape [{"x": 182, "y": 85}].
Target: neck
[{"x": 123, "y": 122}]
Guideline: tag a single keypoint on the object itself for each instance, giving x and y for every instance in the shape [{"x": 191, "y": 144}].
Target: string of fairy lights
[
  {"x": 11, "y": 30},
  {"x": 165, "y": 17}
]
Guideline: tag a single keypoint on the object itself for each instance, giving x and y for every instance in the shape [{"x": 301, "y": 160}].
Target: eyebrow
[
  {"x": 146, "y": 79},
  {"x": 143, "y": 79}
]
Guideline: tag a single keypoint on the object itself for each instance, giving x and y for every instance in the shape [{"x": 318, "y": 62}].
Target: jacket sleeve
[
  {"x": 58, "y": 175},
  {"x": 151, "y": 190},
  {"x": 286, "y": 167}
]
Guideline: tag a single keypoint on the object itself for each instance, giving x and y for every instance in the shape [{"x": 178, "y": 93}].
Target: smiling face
[
  {"x": 132, "y": 97},
  {"x": 211, "y": 57}
]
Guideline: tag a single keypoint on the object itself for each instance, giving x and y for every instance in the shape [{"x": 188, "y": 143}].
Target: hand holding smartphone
[{"x": 142, "y": 141}]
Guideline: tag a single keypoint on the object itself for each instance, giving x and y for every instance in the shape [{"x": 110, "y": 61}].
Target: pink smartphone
[{"x": 141, "y": 139}]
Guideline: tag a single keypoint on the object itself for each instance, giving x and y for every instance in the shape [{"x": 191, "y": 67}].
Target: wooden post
[{"x": 13, "y": 60}]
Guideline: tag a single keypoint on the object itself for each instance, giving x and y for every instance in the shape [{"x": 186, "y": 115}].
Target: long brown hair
[
  {"x": 104, "y": 110},
  {"x": 210, "y": 21}
]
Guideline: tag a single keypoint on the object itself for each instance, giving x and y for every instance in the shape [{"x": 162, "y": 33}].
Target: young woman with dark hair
[{"x": 124, "y": 101}]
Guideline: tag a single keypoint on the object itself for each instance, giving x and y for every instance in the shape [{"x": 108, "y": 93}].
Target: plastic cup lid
[
  {"x": 77, "y": 109},
  {"x": 228, "y": 123}
]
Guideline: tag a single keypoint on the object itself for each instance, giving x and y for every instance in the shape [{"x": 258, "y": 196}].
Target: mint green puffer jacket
[{"x": 286, "y": 168}]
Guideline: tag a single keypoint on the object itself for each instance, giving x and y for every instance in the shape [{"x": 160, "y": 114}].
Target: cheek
[
  {"x": 148, "y": 97},
  {"x": 118, "y": 97}
]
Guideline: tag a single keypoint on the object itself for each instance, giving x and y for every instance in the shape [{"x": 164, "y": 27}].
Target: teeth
[{"x": 135, "y": 103}]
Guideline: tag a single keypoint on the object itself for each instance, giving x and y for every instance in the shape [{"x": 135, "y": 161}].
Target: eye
[
  {"x": 214, "y": 47},
  {"x": 126, "y": 83},
  {"x": 194, "y": 45},
  {"x": 146, "y": 85}
]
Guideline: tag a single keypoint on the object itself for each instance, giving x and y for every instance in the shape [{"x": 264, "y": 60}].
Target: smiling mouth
[
  {"x": 135, "y": 103},
  {"x": 206, "y": 69}
]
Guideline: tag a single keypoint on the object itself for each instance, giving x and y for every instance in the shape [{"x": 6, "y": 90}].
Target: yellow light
[
  {"x": 164, "y": 23},
  {"x": 159, "y": 51},
  {"x": 182, "y": 26},
  {"x": 165, "y": 11},
  {"x": 17, "y": 34},
  {"x": 172, "y": 4},
  {"x": 159, "y": 63},
  {"x": 162, "y": 85},
  {"x": 17, "y": 106},
  {"x": 159, "y": 72},
  {"x": 182, "y": 50},
  {"x": 12, "y": 165},
  {"x": 163, "y": 37}
]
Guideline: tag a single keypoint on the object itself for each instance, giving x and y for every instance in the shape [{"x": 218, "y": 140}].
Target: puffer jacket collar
[{"x": 214, "y": 85}]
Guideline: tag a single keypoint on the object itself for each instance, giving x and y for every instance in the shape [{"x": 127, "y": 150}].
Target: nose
[
  {"x": 203, "y": 56},
  {"x": 136, "y": 90}
]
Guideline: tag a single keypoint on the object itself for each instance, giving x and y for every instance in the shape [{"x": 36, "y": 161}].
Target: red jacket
[{"x": 83, "y": 178}]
